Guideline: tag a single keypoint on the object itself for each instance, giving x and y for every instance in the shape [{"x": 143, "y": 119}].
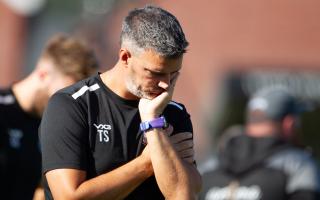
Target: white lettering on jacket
[{"x": 241, "y": 193}]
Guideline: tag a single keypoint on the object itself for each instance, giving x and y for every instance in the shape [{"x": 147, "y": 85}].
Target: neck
[
  {"x": 114, "y": 79},
  {"x": 26, "y": 94}
]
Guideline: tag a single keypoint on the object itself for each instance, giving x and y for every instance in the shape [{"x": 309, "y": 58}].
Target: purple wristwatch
[{"x": 159, "y": 122}]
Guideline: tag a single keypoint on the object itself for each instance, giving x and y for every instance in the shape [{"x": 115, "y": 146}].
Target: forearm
[
  {"x": 173, "y": 175},
  {"x": 116, "y": 184}
]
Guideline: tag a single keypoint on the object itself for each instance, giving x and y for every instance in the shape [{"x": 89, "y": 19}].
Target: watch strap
[{"x": 159, "y": 122}]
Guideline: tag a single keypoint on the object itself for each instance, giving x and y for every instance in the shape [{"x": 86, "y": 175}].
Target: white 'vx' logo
[{"x": 102, "y": 130}]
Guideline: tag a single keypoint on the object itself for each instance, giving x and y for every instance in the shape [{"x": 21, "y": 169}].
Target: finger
[
  {"x": 187, "y": 153},
  {"x": 183, "y": 145},
  {"x": 189, "y": 159},
  {"x": 180, "y": 137},
  {"x": 166, "y": 95},
  {"x": 162, "y": 99},
  {"x": 173, "y": 82},
  {"x": 163, "y": 85},
  {"x": 174, "y": 77}
]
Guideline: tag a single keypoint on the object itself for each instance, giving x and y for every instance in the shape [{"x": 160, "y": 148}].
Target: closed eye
[{"x": 154, "y": 73}]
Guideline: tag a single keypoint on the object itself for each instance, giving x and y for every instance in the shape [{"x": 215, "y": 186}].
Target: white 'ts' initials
[
  {"x": 103, "y": 135},
  {"x": 102, "y": 130}
]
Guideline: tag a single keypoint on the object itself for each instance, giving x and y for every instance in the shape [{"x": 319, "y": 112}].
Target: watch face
[
  {"x": 144, "y": 126},
  {"x": 159, "y": 122}
]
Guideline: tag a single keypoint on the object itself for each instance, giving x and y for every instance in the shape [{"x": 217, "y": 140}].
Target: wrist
[
  {"x": 159, "y": 122},
  {"x": 156, "y": 123},
  {"x": 148, "y": 117}
]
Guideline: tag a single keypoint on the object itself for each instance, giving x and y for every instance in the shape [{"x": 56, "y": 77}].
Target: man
[
  {"x": 64, "y": 61},
  {"x": 259, "y": 161},
  {"x": 106, "y": 137}
]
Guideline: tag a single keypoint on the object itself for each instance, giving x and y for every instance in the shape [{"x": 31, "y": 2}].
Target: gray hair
[{"x": 152, "y": 28}]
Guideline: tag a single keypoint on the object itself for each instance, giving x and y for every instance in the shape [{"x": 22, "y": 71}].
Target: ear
[
  {"x": 42, "y": 69},
  {"x": 42, "y": 74},
  {"x": 288, "y": 126},
  {"x": 124, "y": 56}
]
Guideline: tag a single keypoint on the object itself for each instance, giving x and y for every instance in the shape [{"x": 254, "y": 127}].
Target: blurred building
[{"x": 235, "y": 48}]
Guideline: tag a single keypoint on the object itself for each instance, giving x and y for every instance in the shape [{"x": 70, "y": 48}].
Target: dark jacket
[{"x": 249, "y": 168}]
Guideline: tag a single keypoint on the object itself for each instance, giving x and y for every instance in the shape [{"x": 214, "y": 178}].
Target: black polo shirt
[
  {"x": 20, "y": 160},
  {"x": 88, "y": 127}
]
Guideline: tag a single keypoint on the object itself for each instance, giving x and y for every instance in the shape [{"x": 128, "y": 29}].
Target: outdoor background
[{"x": 235, "y": 48}]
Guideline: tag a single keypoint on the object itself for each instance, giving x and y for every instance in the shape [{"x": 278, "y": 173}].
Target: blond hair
[{"x": 71, "y": 56}]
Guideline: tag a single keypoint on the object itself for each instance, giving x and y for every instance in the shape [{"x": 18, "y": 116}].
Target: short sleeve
[
  {"x": 301, "y": 170},
  {"x": 304, "y": 174},
  {"x": 63, "y": 134},
  {"x": 178, "y": 117}
]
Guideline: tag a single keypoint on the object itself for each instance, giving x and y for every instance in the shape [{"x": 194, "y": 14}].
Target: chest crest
[{"x": 103, "y": 132}]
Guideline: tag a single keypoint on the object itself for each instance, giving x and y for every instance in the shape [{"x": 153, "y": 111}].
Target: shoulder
[
  {"x": 176, "y": 112},
  {"x": 292, "y": 159},
  {"x": 7, "y": 97},
  {"x": 77, "y": 92},
  {"x": 177, "y": 115},
  {"x": 300, "y": 168},
  {"x": 175, "y": 107},
  {"x": 82, "y": 87},
  {"x": 8, "y": 102}
]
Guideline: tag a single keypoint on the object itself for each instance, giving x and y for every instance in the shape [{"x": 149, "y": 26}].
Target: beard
[{"x": 136, "y": 90}]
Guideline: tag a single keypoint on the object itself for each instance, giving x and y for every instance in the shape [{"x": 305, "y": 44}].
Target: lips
[
  {"x": 151, "y": 95},
  {"x": 155, "y": 92}
]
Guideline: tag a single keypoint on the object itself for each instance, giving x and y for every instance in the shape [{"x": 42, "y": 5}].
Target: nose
[{"x": 164, "y": 81}]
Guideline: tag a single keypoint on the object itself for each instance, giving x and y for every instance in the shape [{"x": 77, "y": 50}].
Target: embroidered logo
[{"x": 103, "y": 132}]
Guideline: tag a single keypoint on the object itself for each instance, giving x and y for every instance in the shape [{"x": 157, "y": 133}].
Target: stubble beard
[{"x": 136, "y": 90}]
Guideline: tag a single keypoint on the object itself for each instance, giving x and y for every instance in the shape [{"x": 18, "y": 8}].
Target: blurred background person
[
  {"x": 64, "y": 61},
  {"x": 276, "y": 42},
  {"x": 259, "y": 161}
]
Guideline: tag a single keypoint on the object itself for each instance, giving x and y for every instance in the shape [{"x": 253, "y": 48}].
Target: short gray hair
[{"x": 153, "y": 28}]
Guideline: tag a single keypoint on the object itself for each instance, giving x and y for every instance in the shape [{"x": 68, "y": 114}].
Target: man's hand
[
  {"x": 153, "y": 108},
  {"x": 182, "y": 143}
]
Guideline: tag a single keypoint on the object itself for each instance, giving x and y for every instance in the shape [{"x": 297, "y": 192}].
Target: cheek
[
  {"x": 150, "y": 82},
  {"x": 142, "y": 78}
]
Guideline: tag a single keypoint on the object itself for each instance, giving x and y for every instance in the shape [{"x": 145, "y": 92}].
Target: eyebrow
[
  {"x": 161, "y": 73},
  {"x": 155, "y": 72}
]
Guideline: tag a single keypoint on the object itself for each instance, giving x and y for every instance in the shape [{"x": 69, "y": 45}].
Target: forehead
[{"x": 155, "y": 62}]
